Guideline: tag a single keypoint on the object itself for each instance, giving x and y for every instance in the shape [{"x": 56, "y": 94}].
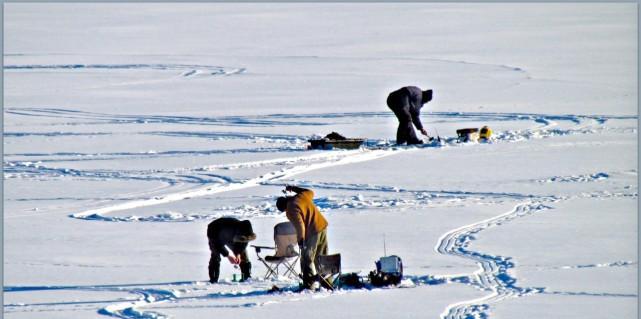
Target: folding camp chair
[
  {"x": 286, "y": 254},
  {"x": 329, "y": 270}
]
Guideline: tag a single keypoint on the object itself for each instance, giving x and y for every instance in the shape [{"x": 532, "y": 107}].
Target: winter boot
[
  {"x": 213, "y": 275},
  {"x": 245, "y": 269},
  {"x": 214, "y": 271},
  {"x": 309, "y": 281}
]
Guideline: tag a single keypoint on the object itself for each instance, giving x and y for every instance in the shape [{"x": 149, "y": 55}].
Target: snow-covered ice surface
[{"x": 129, "y": 127}]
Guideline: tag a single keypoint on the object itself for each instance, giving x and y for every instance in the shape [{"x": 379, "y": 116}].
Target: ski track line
[
  {"x": 492, "y": 274},
  {"x": 292, "y": 119},
  {"x": 424, "y": 193},
  {"x": 349, "y": 158},
  {"x": 105, "y": 118},
  {"x": 335, "y": 155},
  {"x": 271, "y": 138},
  {"x": 152, "y": 154},
  {"x": 187, "y": 70}
]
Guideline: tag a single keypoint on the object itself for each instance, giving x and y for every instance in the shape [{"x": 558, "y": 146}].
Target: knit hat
[
  {"x": 281, "y": 203},
  {"x": 427, "y": 96},
  {"x": 245, "y": 233}
]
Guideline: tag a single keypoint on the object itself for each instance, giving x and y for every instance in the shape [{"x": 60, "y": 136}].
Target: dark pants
[
  {"x": 214, "y": 265},
  {"x": 400, "y": 105},
  {"x": 315, "y": 245}
]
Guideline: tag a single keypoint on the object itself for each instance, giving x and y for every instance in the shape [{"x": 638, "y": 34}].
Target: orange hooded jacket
[{"x": 305, "y": 216}]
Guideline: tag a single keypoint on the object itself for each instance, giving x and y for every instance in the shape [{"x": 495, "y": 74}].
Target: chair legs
[
  {"x": 273, "y": 269},
  {"x": 274, "y": 264},
  {"x": 329, "y": 282}
]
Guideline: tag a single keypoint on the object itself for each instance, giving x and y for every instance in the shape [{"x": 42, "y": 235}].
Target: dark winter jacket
[
  {"x": 412, "y": 97},
  {"x": 231, "y": 232}
]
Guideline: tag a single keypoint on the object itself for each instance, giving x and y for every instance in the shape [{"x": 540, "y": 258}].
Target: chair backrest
[
  {"x": 329, "y": 264},
  {"x": 285, "y": 239}
]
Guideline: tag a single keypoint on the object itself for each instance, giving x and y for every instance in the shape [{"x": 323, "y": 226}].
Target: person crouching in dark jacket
[
  {"x": 406, "y": 103},
  {"x": 229, "y": 232}
]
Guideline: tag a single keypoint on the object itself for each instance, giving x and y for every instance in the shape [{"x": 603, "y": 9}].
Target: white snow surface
[{"x": 129, "y": 127}]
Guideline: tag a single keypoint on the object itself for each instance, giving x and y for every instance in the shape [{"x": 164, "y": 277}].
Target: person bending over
[
  {"x": 229, "y": 232},
  {"x": 406, "y": 103}
]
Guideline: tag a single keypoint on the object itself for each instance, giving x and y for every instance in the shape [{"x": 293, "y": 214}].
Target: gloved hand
[{"x": 424, "y": 132}]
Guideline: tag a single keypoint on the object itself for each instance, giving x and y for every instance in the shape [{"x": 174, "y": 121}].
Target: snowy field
[{"x": 129, "y": 127}]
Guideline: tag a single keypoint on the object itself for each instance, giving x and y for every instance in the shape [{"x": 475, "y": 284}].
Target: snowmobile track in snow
[{"x": 492, "y": 274}]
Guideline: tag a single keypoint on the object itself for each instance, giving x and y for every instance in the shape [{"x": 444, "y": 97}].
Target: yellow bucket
[{"x": 485, "y": 133}]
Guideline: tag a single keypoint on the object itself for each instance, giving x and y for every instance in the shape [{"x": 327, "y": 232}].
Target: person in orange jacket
[{"x": 311, "y": 230}]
